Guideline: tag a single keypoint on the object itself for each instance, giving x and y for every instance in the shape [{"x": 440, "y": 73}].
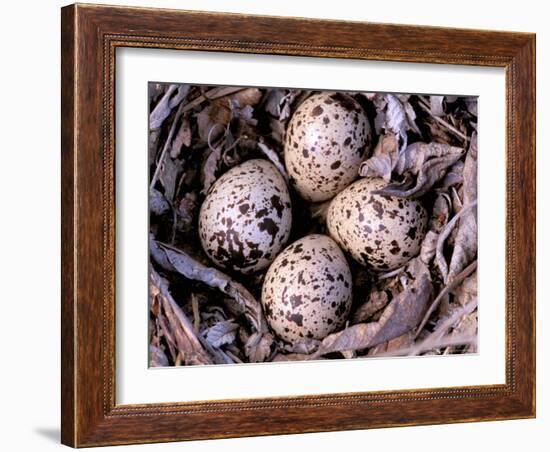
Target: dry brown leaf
[
  {"x": 303, "y": 347},
  {"x": 436, "y": 105},
  {"x": 467, "y": 291},
  {"x": 168, "y": 176},
  {"x": 428, "y": 247},
  {"x": 210, "y": 168},
  {"x": 429, "y": 161},
  {"x": 171, "y": 99},
  {"x": 396, "y": 119},
  {"x": 285, "y": 357},
  {"x": 440, "y": 212},
  {"x": 452, "y": 284},
  {"x": 259, "y": 347},
  {"x": 382, "y": 162},
  {"x": 157, "y": 203},
  {"x": 181, "y": 328},
  {"x": 454, "y": 175},
  {"x": 222, "y": 333},
  {"x": 466, "y": 327},
  {"x": 440, "y": 260},
  {"x": 183, "y": 138},
  {"x": 465, "y": 248},
  {"x": 377, "y": 300},
  {"x": 400, "y": 316},
  {"x": 176, "y": 260},
  {"x": 247, "y": 97},
  {"x": 157, "y": 358}
]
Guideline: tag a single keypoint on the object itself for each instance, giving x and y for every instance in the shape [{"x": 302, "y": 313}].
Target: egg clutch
[{"x": 246, "y": 220}]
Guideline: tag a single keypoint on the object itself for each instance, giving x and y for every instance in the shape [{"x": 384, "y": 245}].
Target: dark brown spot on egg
[
  {"x": 267, "y": 224},
  {"x": 255, "y": 254},
  {"x": 277, "y": 205},
  {"x": 377, "y": 206},
  {"x": 262, "y": 212},
  {"x": 296, "y": 300},
  {"x": 411, "y": 233},
  {"x": 395, "y": 249},
  {"x": 341, "y": 309},
  {"x": 318, "y": 110},
  {"x": 296, "y": 318}
]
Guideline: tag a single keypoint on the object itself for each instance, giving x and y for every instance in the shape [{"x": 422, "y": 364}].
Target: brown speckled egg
[
  {"x": 380, "y": 232},
  {"x": 327, "y": 138},
  {"x": 307, "y": 291},
  {"x": 246, "y": 217}
]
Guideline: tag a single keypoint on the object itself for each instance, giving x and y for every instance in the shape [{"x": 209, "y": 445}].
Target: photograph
[{"x": 291, "y": 224}]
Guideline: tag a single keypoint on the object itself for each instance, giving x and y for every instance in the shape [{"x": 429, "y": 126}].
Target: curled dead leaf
[
  {"x": 429, "y": 161},
  {"x": 171, "y": 99},
  {"x": 400, "y": 316},
  {"x": 176, "y": 260}
]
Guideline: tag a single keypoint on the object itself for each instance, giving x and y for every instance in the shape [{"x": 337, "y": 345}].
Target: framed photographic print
[{"x": 280, "y": 225}]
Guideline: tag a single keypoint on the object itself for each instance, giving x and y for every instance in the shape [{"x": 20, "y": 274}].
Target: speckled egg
[
  {"x": 307, "y": 291},
  {"x": 246, "y": 217},
  {"x": 380, "y": 232},
  {"x": 327, "y": 138}
]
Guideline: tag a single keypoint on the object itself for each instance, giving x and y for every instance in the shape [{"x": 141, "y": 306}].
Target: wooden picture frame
[{"x": 90, "y": 36}]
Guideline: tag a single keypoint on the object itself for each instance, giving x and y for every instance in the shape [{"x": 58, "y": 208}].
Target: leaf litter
[{"x": 425, "y": 148}]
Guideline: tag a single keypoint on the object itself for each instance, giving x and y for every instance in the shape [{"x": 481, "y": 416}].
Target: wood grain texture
[
  {"x": 90, "y": 36},
  {"x": 67, "y": 225}
]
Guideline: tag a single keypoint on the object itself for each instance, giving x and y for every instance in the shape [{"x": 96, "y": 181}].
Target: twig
[
  {"x": 392, "y": 273},
  {"x": 174, "y": 259},
  {"x": 196, "y": 313},
  {"x": 442, "y": 121},
  {"x": 213, "y": 94},
  {"x": 164, "y": 107},
  {"x": 183, "y": 323},
  {"x": 451, "y": 320},
  {"x": 450, "y": 286},
  {"x": 422, "y": 347},
  {"x": 167, "y": 336},
  {"x": 234, "y": 357},
  {"x": 439, "y": 258},
  {"x": 167, "y": 144}
]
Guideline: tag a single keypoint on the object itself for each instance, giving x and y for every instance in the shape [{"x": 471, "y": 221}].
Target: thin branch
[
  {"x": 423, "y": 347},
  {"x": 213, "y": 94},
  {"x": 167, "y": 144},
  {"x": 439, "y": 258},
  {"x": 444, "y": 123},
  {"x": 450, "y": 286}
]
